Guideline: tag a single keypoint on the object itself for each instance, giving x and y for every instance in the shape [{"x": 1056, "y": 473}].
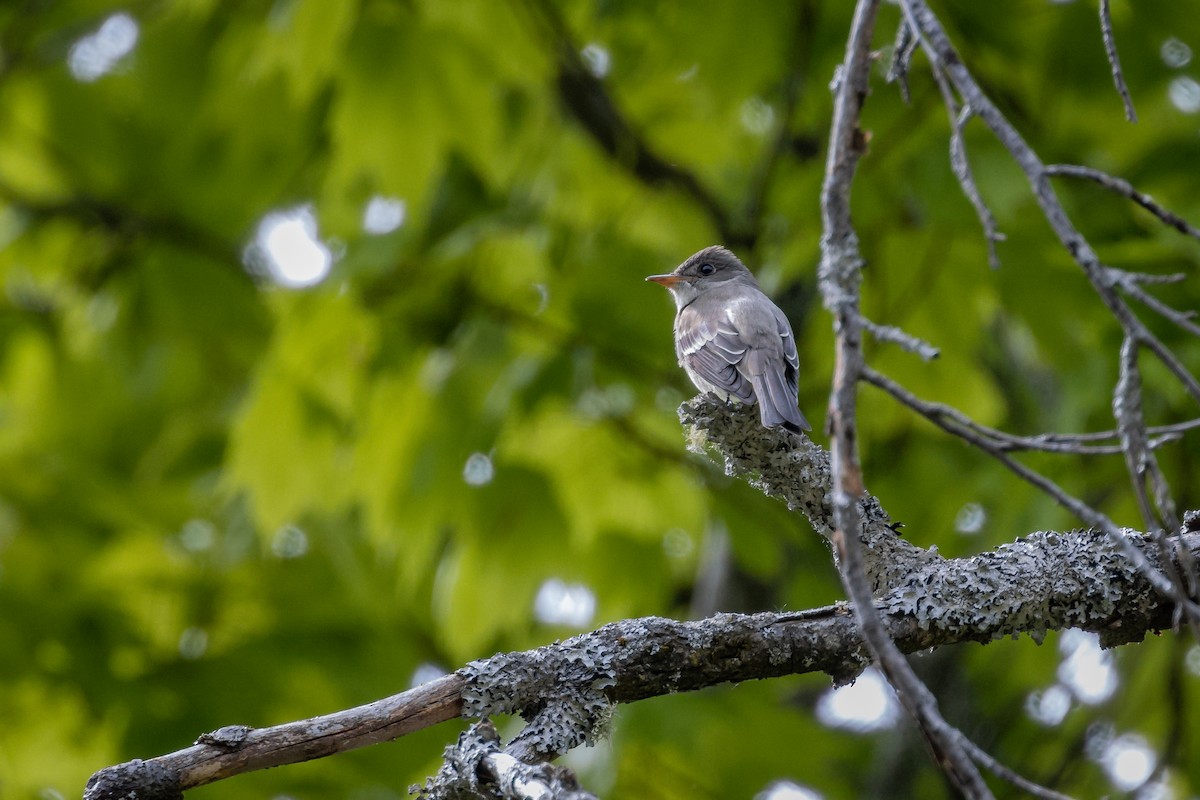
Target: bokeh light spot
[
  {"x": 970, "y": 519},
  {"x": 597, "y": 59},
  {"x": 1129, "y": 761},
  {"x": 478, "y": 471},
  {"x": 95, "y": 55},
  {"x": 1185, "y": 94},
  {"x": 787, "y": 790},
  {"x": 290, "y": 541},
  {"x": 1086, "y": 669},
  {"x": 561, "y": 603},
  {"x": 383, "y": 215},
  {"x": 286, "y": 248},
  {"x": 868, "y": 704},
  {"x": 1175, "y": 53}
]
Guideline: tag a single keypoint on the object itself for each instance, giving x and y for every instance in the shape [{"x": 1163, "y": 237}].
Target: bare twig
[
  {"x": 959, "y": 116},
  {"x": 903, "y": 339},
  {"x": 236, "y": 749},
  {"x": 1110, "y": 49},
  {"x": 840, "y": 276},
  {"x": 1127, "y": 410},
  {"x": 1082, "y": 510},
  {"x": 945, "y": 60},
  {"x": 988, "y": 761},
  {"x": 902, "y": 53},
  {"x": 1067, "y": 443},
  {"x": 1125, "y": 189},
  {"x": 966, "y": 178},
  {"x": 1131, "y": 284},
  {"x": 942, "y": 54},
  {"x": 1142, "y": 465}
]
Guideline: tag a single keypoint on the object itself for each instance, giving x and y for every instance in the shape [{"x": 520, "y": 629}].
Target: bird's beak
[{"x": 668, "y": 280}]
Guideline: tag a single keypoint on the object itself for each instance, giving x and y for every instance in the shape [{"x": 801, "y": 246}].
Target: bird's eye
[{"x": 707, "y": 269}]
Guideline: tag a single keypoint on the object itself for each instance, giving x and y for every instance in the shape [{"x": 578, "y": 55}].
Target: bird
[{"x": 732, "y": 340}]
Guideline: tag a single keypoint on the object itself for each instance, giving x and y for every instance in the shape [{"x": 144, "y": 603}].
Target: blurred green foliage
[{"x": 224, "y": 500}]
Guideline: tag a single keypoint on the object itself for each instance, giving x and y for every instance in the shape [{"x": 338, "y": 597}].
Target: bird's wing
[
  {"x": 712, "y": 350},
  {"x": 792, "y": 371},
  {"x": 770, "y": 362}
]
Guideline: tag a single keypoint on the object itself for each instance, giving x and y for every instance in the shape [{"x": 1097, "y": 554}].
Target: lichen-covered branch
[
  {"x": 1106, "y": 282},
  {"x": 933, "y": 413},
  {"x": 794, "y": 469},
  {"x": 477, "y": 767},
  {"x": 1044, "y": 581}
]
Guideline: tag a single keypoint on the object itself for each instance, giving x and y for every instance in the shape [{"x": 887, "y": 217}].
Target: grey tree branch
[
  {"x": 793, "y": 469},
  {"x": 1041, "y": 582},
  {"x": 902, "y": 53},
  {"x": 477, "y": 766},
  {"x": 961, "y": 166},
  {"x": 946, "y": 60},
  {"x": 903, "y": 339},
  {"x": 1131, "y": 284},
  {"x": 236, "y": 749},
  {"x": 840, "y": 277},
  {"x": 1114, "y": 61},
  {"x": 1125, "y": 189},
  {"x": 1143, "y": 466},
  {"x": 1078, "y": 507},
  {"x": 990, "y": 439},
  {"x": 1016, "y": 779}
]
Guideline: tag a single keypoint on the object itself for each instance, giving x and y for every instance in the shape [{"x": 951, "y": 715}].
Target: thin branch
[
  {"x": 1127, "y": 410},
  {"x": 1131, "y": 286},
  {"x": 840, "y": 276},
  {"x": 1110, "y": 49},
  {"x": 1067, "y": 443},
  {"x": 1125, "y": 189},
  {"x": 989, "y": 762},
  {"x": 966, "y": 178},
  {"x": 1082, "y": 510},
  {"x": 942, "y": 54},
  {"x": 903, "y": 339},
  {"x": 1142, "y": 464},
  {"x": 902, "y": 53},
  {"x": 961, "y": 167},
  {"x": 236, "y": 749}
]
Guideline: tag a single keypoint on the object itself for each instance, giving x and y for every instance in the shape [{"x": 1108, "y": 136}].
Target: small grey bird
[{"x": 731, "y": 339}]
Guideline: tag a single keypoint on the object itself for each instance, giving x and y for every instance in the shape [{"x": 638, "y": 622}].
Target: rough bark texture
[{"x": 792, "y": 468}]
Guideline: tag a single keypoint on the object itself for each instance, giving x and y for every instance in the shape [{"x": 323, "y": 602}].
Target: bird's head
[{"x": 711, "y": 267}]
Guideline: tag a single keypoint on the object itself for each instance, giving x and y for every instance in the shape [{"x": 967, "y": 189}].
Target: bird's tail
[{"x": 777, "y": 402}]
